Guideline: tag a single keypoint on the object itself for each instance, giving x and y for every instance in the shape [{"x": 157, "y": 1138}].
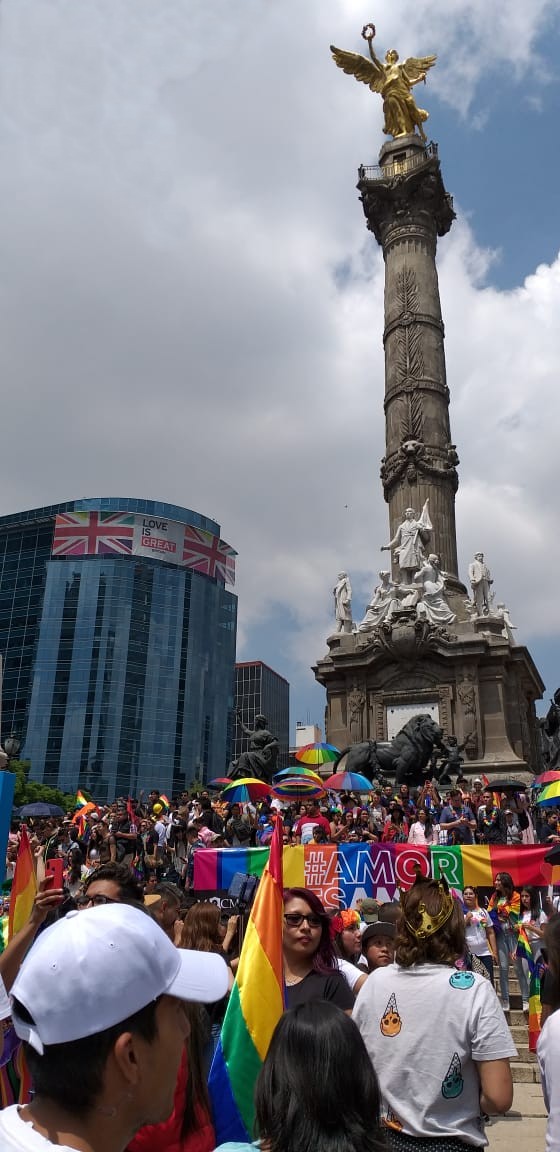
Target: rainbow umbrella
[
  {"x": 220, "y": 782},
  {"x": 298, "y": 788},
  {"x": 246, "y": 791},
  {"x": 308, "y": 773},
  {"x": 546, "y": 778},
  {"x": 348, "y": 782},
  {"x": 550, "y": 794},
  {"x": 317, "y": 754}
]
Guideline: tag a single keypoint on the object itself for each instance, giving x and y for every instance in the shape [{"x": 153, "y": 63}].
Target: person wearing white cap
[{"x": 98, "y": 1004}]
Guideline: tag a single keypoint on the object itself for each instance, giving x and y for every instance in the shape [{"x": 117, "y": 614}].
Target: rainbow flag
[
  {"x": 24, "y": 886},
  {"x": 255, "y": 1006},
  {"x": 80, "y": 799},
  {"x": 163, "y": 800},
  {"x": 525, "y": 952}
]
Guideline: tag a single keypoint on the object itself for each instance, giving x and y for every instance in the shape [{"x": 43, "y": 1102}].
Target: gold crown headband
[{"x": 430, "y": 924}]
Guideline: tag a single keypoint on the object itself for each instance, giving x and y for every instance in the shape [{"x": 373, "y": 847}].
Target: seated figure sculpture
[
  {"x": 433, "y": 606},
  {"x": 260, "y": 759},
  {"x": 381, "y": 605}
]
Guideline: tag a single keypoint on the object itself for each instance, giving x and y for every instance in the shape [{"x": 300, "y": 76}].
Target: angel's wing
[
  {"x": 356, "y": 65},
  {"x": 415, "y": 66}
]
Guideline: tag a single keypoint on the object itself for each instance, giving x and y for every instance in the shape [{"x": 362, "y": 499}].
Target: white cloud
[{"x": 191, "y": 309}]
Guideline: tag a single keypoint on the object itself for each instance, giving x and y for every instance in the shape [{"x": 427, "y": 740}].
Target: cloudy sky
[{"x": 191, "y": 306}]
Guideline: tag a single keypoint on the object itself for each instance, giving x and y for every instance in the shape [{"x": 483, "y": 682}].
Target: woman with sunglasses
[{"x": 310, "y": 968}]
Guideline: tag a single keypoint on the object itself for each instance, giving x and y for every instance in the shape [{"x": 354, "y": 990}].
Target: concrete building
[{"x": 118, "y": 637}]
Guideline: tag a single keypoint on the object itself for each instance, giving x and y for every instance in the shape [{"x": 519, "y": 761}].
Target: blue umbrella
[{"x": 40, "y": 809}]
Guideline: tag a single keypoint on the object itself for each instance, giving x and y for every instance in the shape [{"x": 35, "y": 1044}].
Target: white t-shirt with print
[
  {"x": 475, "y": 931},
  {"x": 17, "y": 1135},
  {"x": 424, "y": 1028}
]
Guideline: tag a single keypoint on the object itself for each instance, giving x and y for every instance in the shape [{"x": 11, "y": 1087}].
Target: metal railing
[{"x": 401, "y": 167}]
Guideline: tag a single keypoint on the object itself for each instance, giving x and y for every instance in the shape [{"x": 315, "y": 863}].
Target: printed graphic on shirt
[
  {"x": 392, "y": 1121},
  {"x": 391, "y": 1022},
  {"x": 461, "y": 980},
  {"x": 453, "y": 1083}
]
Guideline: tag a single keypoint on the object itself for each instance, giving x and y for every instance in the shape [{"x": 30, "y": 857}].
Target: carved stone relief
[{"x": 466, "y": 692}]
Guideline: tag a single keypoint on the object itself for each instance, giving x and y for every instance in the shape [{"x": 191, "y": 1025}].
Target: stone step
[
  {"x": 520, "y": 1033},
  {"x": 523, "y": 1055},
  {"x": 525, "y": 1073},
  {"x": 517, "y": 1018}
]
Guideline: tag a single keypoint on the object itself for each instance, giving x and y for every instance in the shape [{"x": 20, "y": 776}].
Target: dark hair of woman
[
  {"x": 324, "y": 958},
  {"x": 552, "y": 945},
  {"x": 507, "y": 883},
  {"x": 317, "y": 1089},
  {"x": 201, "y": 929},
  {"x": 535, "y": 906},
  {"x": 442, "y": 946}
]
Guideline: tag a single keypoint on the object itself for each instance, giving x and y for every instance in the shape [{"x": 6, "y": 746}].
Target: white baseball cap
[{"x": 95, "y": 968}]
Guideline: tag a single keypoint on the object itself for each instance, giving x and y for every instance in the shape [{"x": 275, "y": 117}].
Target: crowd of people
[
  {"x": 159, "y": 839},
  {"x": 119, "y": 1014}
]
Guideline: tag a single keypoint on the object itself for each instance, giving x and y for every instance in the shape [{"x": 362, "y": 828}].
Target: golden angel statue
[{"x": 392, "y": 80}]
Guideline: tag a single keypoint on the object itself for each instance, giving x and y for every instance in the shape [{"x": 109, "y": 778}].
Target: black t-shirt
[{"x": 316, "y": 986}]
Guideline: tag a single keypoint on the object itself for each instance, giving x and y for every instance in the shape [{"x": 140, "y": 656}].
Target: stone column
[{"x": 407, "y": 207}]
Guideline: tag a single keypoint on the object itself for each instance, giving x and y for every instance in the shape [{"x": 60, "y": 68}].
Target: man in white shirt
[{"x": 98, "y": 1005}]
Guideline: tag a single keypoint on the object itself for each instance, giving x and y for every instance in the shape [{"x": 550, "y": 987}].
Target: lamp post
[{"x": 12, "y": 745}]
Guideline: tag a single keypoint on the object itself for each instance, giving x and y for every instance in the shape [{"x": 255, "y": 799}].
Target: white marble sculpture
[
  {"x": 408, "y": 542},
  {"x": 481, "y": 581},
  {"x": 503, "y": 614},
  {"x": 342, "y": 592},
  {"x": 432, "y": 605},
  {"x": 381, "y": 605}
]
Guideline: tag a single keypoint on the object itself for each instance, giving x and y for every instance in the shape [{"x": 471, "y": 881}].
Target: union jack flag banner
[
  {"x": 208, "y": 554},
  {"x": 93, "y": 534}
]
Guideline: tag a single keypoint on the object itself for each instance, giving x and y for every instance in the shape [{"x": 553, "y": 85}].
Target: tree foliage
[{"x": 29, "y": 791}]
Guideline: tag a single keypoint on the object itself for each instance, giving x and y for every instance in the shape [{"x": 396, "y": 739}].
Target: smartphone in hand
[{"x": 54, "y": 873}]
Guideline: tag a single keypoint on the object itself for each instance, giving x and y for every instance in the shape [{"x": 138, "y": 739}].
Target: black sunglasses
[{"x": 296, "y": 919}]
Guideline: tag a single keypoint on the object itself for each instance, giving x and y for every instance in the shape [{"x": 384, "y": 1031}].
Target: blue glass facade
[{"x": 118, "y": 670}]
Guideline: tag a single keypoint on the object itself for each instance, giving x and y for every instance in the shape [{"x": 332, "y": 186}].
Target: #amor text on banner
[{"x": 341, "y": 874}]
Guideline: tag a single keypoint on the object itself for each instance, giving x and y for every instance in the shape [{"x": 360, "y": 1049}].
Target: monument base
[{"x": 478, "y": 684}]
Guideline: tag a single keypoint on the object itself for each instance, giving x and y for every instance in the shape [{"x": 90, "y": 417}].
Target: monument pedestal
[{"x": 479, "y": 686}]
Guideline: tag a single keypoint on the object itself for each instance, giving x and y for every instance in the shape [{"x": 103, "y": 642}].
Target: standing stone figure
[
  {"x": 481, "y": 581},
  {"x": 342, "y": 592},
  {"x": 550, "y": 731},
  {"x": 408, "y": 542},
  {"x": 381, "y": 605},
  {"x": 356, "y": 702}
]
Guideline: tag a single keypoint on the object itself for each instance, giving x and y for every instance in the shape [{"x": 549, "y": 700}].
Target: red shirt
[{"x": 305, "y": 825}]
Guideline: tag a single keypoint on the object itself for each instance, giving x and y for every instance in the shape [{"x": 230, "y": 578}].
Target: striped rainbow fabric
[
  {"x": 342, "y": 873},
  {"x": 525, "y": 952},
  {"x": 255, "y": 1006},
  {"x": 24, "y": 886}
]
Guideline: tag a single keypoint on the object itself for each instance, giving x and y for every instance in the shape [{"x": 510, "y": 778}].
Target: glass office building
[
  {"x": 118, "y": 637},
  {"x": 260, "y": 690}
]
